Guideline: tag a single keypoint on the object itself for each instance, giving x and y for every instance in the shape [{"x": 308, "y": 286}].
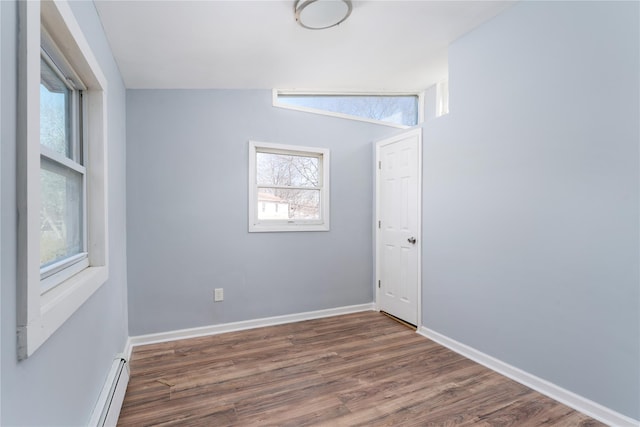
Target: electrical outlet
[{"x": 218, "y": 294}]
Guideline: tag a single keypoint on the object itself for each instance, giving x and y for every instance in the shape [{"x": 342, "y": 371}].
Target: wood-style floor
[{"x": 360, "y": 369}]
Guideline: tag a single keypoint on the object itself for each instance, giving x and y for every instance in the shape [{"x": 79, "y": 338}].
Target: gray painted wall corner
[
  {"x": 188, "y": 234},
  {"x": 531, "y": 197}
]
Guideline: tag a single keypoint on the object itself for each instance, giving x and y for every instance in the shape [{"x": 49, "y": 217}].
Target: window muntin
[
  {"x": 402, "y": 110},
  {"x": 62, "y": 175},
  {"x": 288, "y": 188}
]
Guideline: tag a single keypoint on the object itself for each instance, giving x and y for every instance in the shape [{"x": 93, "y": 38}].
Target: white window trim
[
  {"x": 277, "y": 103},
  {"x": 442, "y": 98},
  {"x": 256, "y": 225},
  {"x": 39, "y": 315}
]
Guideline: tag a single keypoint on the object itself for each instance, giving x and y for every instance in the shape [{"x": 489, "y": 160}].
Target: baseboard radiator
[{"x": 107, "y": 409}]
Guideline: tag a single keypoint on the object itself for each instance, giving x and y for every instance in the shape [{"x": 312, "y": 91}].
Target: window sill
[
  {"x": 266, "y": 228},
  {"x": 57, "y": 305}
]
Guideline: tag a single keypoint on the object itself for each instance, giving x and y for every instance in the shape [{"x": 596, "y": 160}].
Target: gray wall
[
  {"x": 60, "y": 383},
  {"x": 187, "y": 159},
  {"x": 531, "y": 197}
]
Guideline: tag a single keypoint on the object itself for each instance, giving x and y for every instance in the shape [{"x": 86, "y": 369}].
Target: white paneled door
[{"x": 398, "y": 224}]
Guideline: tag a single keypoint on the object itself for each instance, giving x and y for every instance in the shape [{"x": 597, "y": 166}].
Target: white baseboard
[
  {"x": 126, "y": 353},
  {"x": 240, "y": 326},
  {"x": 577, "y": 402}
]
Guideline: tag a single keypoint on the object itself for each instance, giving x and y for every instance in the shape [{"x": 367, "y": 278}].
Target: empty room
[{"x": 319, "y": 212}]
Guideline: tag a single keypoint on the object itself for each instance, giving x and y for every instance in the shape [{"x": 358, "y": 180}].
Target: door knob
[{"x": 412, "y": 240}]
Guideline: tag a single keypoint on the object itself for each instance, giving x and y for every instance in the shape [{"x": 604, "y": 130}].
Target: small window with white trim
[{"x": 288, "y": 188}]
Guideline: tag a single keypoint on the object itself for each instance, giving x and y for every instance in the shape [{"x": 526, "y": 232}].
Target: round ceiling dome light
[{"x": 321, "y": 14}]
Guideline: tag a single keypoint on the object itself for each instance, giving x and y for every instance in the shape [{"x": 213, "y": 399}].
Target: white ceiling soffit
[{"x": 384, "y": 45}]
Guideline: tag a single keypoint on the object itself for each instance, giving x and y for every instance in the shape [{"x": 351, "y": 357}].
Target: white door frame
[{"x": 378, "y": 146}]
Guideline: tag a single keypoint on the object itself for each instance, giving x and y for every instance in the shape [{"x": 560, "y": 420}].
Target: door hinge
[
  {"x": 379, "y": 164},
  {"x": 378, "y": 283},
  {"x": 379, "y": 224}
]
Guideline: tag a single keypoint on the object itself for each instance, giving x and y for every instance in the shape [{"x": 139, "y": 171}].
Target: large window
[
  {"x": 393, "y": 109},
  {"x": 289, "y": 188},
  {"x": 61, "y": 173},
  {"x": 63, "y": 248}
]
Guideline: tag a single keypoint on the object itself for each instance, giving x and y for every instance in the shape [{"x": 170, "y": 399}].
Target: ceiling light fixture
[{"x": 321, "y": 14}]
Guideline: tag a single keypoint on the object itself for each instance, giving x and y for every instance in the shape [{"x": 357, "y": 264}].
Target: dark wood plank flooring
[{"x": 360, "y": 369}]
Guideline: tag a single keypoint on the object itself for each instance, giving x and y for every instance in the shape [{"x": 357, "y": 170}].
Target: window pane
[
  {"x": 289, "y": 170},
  {"x": 55, "y": 105},
  {"x": 288, "y": 204},
  {"x": 397, "y": 109},
  {"x": 60, "y": 213}
]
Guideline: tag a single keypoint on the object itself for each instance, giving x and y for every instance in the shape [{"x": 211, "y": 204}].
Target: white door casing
[{"x": 398, "y": 225}]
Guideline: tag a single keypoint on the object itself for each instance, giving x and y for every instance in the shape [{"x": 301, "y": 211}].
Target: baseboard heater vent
[{"x": 107, "y": 409}]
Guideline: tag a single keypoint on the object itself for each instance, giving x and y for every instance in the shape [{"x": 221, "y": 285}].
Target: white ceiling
[{"x": 384, "y": 45}]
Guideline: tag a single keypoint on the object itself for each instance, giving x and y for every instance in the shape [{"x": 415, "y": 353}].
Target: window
[
  {"x": 62, "y": 227},
  {"x": 442, "y": 98},
  {"x": 393, "y": 109},
  {"x": 291, "y": 185},
  {"x": 63, "y": 249}
]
